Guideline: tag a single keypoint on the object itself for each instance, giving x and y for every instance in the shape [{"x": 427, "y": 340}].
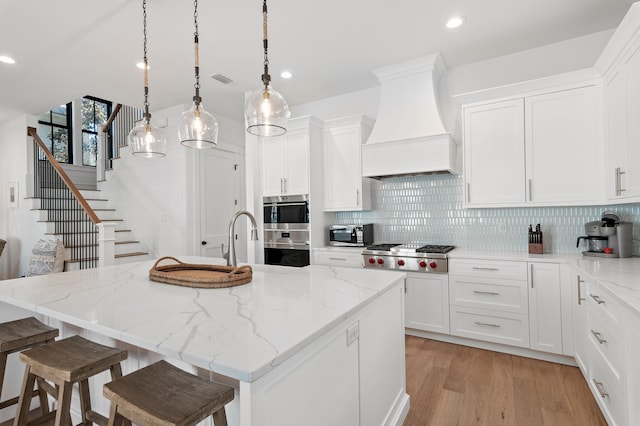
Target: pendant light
[
  {"x": 197, "y": 128},
  {"x": 265, "y": 110},
  {"x": 147, "y": 140}
]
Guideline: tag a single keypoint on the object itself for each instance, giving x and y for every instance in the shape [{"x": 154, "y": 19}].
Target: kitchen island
[{"x": 314, "y": 345}]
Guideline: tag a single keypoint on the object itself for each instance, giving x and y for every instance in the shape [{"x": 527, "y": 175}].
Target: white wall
[
  {"x": 569, "y": 55},
  {"x": 155, "y": 196},
  {"x": 17, "y": 225}
]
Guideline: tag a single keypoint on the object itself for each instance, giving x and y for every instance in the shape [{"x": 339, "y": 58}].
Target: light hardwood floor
[{"x": 458, "y": 385}]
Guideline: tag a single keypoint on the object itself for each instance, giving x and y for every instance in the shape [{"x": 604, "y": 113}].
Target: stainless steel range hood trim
[{"x": 428, "y": 155}]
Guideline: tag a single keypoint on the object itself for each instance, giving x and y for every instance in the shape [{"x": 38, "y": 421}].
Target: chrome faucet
[{"x": 231, "y": 253}]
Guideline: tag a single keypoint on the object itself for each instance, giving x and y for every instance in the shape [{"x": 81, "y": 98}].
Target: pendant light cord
[
  {"x": 197, "y": 99},
  {"x": 146, "y": 62},
  {"x": 266, "y": 78}
]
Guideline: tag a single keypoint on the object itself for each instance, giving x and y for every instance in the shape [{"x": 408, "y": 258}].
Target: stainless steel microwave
[
  {"x": 351, "y": 235},
  {"x": 286, "y": 212}
]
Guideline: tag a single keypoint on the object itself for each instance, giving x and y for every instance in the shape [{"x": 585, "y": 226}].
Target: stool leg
[
  {"x": 115, "y": 418},
  {"x": 220, "y": 417},
  {"x": 3, "y": 366},
  {"x": 25, "y": 398},
  {"x": 85, "y": 401},
  {"x": 63, "y": 412},
  {"x": 116, "y": 373},
  {"x": 42, "y": 397}
]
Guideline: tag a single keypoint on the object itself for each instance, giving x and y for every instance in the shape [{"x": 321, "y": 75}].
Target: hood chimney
[{"x": 409, "y": 136}]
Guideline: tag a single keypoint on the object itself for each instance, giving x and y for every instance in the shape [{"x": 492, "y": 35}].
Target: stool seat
[
  {"x": 16, "y": 336},
  {"x": 65, "y": 362},
  {"x": 72, "y": 359},
  {"x": 24, "y": 333},
  {"x": 162, "y": 394}
]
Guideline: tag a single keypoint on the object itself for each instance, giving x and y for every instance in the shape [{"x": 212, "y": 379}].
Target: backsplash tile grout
[{"x": 429, "y": 209}]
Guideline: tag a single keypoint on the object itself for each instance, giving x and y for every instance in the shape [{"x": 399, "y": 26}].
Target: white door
[{"x": 220, "y": 189}]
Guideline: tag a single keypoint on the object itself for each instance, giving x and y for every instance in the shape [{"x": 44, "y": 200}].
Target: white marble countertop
[{"x": 240, "y": 332}]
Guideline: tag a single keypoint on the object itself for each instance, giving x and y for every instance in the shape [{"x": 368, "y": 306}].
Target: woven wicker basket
[{"x": 199, "y": 275}]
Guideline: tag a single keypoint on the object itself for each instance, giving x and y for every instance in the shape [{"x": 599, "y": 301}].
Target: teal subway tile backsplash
[{"x": 429, "y": 209}]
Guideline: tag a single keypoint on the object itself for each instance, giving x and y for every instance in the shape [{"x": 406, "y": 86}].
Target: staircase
[{"x": 57, "y": 222}]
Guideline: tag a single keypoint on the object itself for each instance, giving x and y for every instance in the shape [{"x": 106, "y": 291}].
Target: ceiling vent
[{"x": 222, "y": 78}]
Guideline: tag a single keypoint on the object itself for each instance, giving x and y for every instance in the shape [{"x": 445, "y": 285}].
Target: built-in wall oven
[{"x": 286, "y": 230}]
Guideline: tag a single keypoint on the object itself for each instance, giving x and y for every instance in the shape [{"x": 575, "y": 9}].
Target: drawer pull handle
[
  {"x": 478, "y": 268},
  {"x": 486, "y": 324},
  {"x": 490, "y": 293},
  {"x": 337, "y": 258},
  {"x": 598, "y": 337},
  {"x": 600, "y": 388},
  {"x": 597, "y": 299}
]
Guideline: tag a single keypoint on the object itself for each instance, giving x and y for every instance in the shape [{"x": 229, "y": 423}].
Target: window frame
[{"x": 68, "y": 127}]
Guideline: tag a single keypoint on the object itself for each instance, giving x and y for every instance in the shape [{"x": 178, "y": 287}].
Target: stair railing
[
  {"x": 123, "y": 118},
  {"x": 90, "y": 240}
]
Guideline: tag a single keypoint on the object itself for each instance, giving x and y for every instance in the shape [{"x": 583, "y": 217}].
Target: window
[
  {"x": 54, "y": 128},
  {"x": 95, "y": 112}
]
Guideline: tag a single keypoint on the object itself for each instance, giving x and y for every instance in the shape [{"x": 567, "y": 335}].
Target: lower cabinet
[
  {"x": 426, "y": 302},
  {"x": 604, "y": 340},
  {"x": 509, "y": 302},
  {"x": 545, "y": 308}
]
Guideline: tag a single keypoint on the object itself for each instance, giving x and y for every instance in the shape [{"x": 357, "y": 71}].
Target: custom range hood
[{"x": 408, "y": 137}]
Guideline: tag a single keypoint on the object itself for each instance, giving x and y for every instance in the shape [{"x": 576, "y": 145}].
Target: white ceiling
[{"x": 71, "y": 48}]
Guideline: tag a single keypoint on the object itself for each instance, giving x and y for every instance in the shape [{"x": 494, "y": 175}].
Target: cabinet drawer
[
  {"x": 486, "y": 293},
  {"x": 338, "y": 258},
  {"x": 499, "y": 327},
  {"x": 605, "y": 337},
  {"x": 488, "y": 268},
  {"x": 608, "y": 391},
  {"x": 601, "y": 301}
]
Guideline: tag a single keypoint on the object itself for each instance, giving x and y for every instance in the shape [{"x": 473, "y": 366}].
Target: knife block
[{"x": 535, "y": 248}]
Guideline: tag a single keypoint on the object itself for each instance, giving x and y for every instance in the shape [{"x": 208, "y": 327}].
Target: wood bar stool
[
  {"x": 65, "y": 362},
  {"x": 161, "y": 394},
  {"x": 16, "y": 336}
]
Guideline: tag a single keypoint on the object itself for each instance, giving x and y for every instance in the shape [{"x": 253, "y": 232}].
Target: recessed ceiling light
[
  {"x": 286, "y": 74},
  {"x": 7, "y": 60},
  {"x": 141, "y": 65},
  {"x": 455, "y": 22}
]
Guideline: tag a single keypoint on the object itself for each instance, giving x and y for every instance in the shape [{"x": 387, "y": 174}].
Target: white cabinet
[
  {"x": 338, "y": 256},
  {"x": 545, "y": 309},
  {"x": 426, "y": 302},
  {"x": 561, "y": 140},
  {"x": 533, "y": 150},
  {"x": 622, "y": 100},
  {"x": 489, "y": 301},
  {"x": 633, "y": 352},
  {"x": 494, "y": 154},
  {"x": 285, "y": 159},
  {"x": 344, "y": 187}
]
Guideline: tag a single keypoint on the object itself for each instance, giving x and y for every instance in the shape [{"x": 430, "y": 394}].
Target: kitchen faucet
[{"x": 230, "y": 255}]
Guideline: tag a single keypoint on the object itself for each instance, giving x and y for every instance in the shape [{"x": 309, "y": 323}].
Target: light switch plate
[{"x": 353, "y": 332}]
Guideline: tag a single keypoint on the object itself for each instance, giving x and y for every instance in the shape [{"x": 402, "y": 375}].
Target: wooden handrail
[
  {"x": 112, "y": 117},
  {"x": 31, "y": 131}
]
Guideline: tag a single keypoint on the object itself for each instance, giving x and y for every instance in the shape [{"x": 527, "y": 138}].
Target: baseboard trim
[{"x": 497, "y": 347}]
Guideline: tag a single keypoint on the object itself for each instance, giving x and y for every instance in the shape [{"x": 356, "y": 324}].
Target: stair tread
[{"x": 117, "y": 256}]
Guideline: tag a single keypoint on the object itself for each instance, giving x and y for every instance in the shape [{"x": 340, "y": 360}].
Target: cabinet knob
[{"x": 204, "y": 243}]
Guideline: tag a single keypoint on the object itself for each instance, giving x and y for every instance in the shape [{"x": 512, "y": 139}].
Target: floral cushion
[{"x": 47, "y": 257}]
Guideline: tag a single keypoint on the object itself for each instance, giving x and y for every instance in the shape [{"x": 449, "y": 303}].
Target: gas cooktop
[
  {"x": 410, "y": 248},
  {"x": 407, "y": 257}
]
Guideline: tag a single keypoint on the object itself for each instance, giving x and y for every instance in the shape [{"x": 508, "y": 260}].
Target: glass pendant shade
[
  {"x": 147, "y": 141},
  {"x": 266, "y": 112},
  {"x": 198, "y": 128}
]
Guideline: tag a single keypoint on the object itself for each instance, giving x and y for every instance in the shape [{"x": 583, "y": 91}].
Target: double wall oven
[{"x": 286, "y": 230}]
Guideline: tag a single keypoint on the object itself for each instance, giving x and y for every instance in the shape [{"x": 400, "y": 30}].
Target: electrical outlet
[{"x": 352, "y": 333}]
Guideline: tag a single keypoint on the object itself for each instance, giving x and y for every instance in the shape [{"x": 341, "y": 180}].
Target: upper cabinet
[
  {"x": 540, "y": 149},
  {"x": 622, "y": 103},
  {"x": 344, "y": 187},
  {"x": 286, "y": 160}
]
